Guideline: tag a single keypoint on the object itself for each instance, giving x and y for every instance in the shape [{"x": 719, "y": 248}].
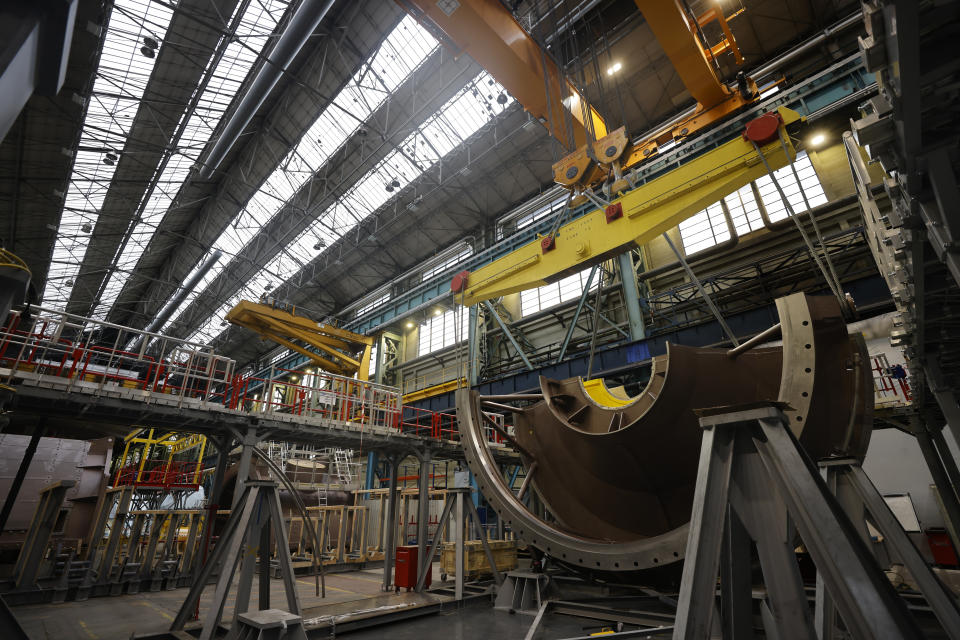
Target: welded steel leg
[
  {"x": 865, "y": 599},
  {"x": 263, "y": 548},
  {"x": 735, "y": 585},
  {"x": 472, "y": 508},
  {"x": 764, "y": 515},
  {"x": 238, "y": 521},
  {"x": 824, "y": 610},
  {"x": 702, "y": 557},
  {"x": 437, "y": 537},
  {"x": 286, "y": 565}
]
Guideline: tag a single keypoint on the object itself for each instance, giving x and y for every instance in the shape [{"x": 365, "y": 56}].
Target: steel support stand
[
  {"x": 751, "y": 465},
  {"x": 458, "y": 503},
  {"x": 250, "y": 525},
  {"x": 631, "y": 296},
  {"x": 18, "y": 479},
  {"x": 390, "y": 533}
]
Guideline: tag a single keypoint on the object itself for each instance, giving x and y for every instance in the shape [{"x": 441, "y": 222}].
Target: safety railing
[
  {"x": 81, "y": 355},
  {"x": 95, "y": 356},
  {"x": 161, "y": 475},
  {"x": 318, "y": 395}
]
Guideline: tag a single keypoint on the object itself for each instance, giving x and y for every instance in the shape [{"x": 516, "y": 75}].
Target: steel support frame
[{"x": 751, "y": 461}]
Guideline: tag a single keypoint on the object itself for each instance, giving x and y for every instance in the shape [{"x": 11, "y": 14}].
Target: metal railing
[
  {"x": 79, "y": 355},
  {"x": 93, "y": 357}
]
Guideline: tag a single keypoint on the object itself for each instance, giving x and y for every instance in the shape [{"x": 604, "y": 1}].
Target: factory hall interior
[{"x": 470, "y": 319}]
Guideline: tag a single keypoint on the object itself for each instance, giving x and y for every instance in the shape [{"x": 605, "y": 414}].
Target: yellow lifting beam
[
  {"x": 487, "y": 31},
  {"x": 633, "y": 219},
  {"x": 342, "y": 352}
]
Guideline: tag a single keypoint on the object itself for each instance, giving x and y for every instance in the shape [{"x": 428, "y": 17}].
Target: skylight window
[
  {"x": 121, "y": 78},
  {"x": 469, "y": 108},
  {"x": 407, "y": 46},
  {"x": 252, "y": 34},
  {"x": 550, "y": 295}
]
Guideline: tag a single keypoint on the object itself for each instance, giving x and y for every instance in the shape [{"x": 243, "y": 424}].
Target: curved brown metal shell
[{"x": 620, "y": 480}]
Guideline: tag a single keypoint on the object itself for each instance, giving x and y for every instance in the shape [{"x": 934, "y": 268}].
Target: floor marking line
[{"x": 90, "y": 634}]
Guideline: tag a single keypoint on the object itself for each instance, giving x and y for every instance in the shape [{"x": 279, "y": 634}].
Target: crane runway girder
[{"x": 619, "y": 480}]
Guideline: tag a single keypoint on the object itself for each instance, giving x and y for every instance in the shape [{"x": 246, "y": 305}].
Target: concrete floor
[{"x": 110, "y": 618}]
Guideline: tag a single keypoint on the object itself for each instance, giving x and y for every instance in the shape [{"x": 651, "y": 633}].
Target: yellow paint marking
[
  {"x": 89, "y": 633},
  {"x": 329, "y": 588},
  {"x": 157, "y": 609}
]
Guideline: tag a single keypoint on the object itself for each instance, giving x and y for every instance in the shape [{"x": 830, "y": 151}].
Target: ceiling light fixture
[
  {"x": 409, "y": 325},
  {"x": 817, "y": 139},
  {"x": 616, "y": 66}
]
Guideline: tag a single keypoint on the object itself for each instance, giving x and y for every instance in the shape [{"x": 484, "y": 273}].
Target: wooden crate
[{"x": 475, "y": 560}]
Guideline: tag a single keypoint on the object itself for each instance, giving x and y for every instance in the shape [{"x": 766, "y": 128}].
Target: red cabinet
[{"x": 405, "y": 569}]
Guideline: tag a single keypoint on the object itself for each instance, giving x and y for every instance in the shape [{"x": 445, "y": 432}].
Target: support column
[
  {"x": 371, "y": 480},
  {"x": 390, "y": 540},
  {"x": 38, "y": 432},
  {"x": 423, "y": 510},
  {"x": 631, "y": 296},
  {"x": 248, "y": 441}
]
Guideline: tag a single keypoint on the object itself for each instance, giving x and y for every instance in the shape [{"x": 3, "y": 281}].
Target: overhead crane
[
  {"x": 341, "y": 352},
  {"x": 627, "y": 214}
]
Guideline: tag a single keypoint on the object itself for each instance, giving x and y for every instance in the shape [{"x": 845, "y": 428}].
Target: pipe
[
  {"x": 175, "y": 302},
  {"x": 302, "y": 25},
  {"x": 767, "y": 333},
  {"x": 832, "y": 30}
]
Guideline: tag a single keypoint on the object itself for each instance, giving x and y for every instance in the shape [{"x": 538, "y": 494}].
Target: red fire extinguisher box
[{"x": 405, "y": 568}]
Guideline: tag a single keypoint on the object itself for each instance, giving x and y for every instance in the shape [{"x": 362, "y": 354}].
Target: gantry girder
[{"x": 631, "y": 220}]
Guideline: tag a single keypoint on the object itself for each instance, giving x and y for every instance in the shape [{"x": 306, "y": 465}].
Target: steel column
[
  {"x": 390, "y": 537},
  {"x": 631, "y": 296}
]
